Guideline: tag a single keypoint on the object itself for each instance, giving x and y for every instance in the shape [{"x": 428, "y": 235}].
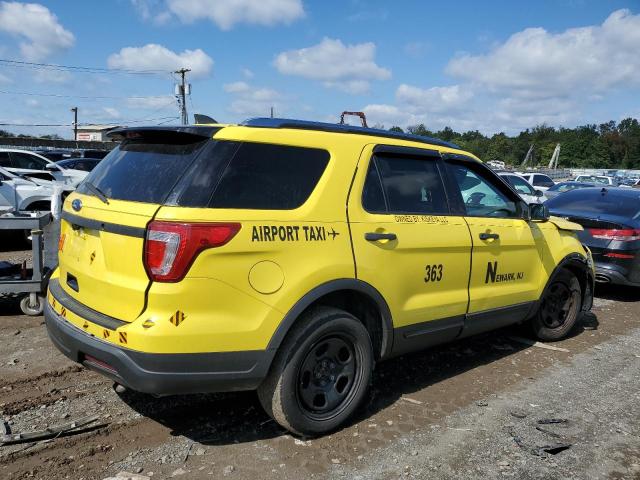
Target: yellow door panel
[
  {"x": 422, "y": 271},
  {"x": 505, "y": 269}
]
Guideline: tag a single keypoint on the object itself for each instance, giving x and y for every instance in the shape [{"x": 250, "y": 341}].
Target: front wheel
[
  {"x": 321, "y": 373},
  {"x": 559, "y": 308}
]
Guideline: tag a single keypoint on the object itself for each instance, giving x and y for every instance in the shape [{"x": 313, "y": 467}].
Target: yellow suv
[{"x": 290, "y": 256}]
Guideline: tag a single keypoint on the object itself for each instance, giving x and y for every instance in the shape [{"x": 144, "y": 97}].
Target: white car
[
  {"x": 538, "y": 180},
  {"x": 18, "y": 193},
  {"x": 524, "y": 188},
  {"x": 33, "y": 165},
  {"x": 598, "y": 179},
  {"x": 496, "y": 164}
]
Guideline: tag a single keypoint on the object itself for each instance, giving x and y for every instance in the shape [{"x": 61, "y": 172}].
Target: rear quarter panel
[{"x": 241, "y": 291}]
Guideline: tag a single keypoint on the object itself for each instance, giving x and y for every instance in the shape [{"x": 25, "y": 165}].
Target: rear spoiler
[{"x": 203, "y": 132}]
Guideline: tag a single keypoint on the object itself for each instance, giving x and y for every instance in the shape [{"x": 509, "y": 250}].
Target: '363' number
[{"x": 433, "y": 273}]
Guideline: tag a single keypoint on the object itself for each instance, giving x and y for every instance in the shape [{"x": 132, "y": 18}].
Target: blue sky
[{"x": 503, "y": 66}]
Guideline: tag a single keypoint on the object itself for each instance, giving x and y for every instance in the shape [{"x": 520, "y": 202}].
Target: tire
[
  {"x": 32, "y": 310},
  {"x": 320, "y": 374},
  {"x": 559, "y": 308}
]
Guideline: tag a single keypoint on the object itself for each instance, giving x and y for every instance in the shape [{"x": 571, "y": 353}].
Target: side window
[
  {"x": 542, "y": 181},
  {"x": 24, "y": 160},
  {"x": 269, "y": 177},
  {"x": 481, "y": 195},
  {"x": 412, "y": 185},
  {"x": 4, "y": 159},
  {"x": 372, "y": 196}
]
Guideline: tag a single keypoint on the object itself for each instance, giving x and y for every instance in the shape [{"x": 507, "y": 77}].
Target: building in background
[{"x": 94, "y": 133}]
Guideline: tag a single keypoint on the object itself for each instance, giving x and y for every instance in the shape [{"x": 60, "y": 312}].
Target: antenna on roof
[{"x": 362, "y": 116}]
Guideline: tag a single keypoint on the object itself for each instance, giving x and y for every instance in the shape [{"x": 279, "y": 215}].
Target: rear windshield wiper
[{"x": 98, "y": 193}]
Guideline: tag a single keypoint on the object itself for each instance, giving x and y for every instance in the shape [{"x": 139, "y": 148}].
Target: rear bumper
[
  {"x": 615, "y": 274},
  {"x": 160, "y": 374}
]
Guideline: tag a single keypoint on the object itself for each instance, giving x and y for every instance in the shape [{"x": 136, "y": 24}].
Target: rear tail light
[
  {"x": 623, "y": 235},
  {"x": 171, "y": 248},
  {"x": 619, "y": 255}
]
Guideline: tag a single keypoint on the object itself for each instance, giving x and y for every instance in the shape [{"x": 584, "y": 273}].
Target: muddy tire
[
  {"x": 320, "y": 374},
  {"x": 559, "y": 308}
]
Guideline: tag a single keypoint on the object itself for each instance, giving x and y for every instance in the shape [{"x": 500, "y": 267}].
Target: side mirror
[
  {"x": 539, "y": 212},
  {"x": 51, "y": 166},
  {"x": 539, "y": 193}
]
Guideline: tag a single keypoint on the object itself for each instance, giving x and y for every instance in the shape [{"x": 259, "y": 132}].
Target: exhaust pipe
[{"x": 600, "y": 278}]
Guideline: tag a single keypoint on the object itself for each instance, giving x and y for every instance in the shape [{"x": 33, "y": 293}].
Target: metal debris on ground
[
  {"x": 76, "y": 426},
  {"x": 550, "y": 421}
]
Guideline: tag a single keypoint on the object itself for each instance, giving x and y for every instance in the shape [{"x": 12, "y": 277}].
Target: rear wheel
[
  {"x": 559, "y": 307},
  {"x": 320, "y": 374}
]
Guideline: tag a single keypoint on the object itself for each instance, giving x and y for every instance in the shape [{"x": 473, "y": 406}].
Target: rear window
[
  {"x": 144, "y": 170},
  {"x": 594, "y": 202},
  {"x": 194, "y": 172}
]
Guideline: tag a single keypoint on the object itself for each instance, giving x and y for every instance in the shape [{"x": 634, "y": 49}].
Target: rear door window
[{"x": 404, "y": 184}]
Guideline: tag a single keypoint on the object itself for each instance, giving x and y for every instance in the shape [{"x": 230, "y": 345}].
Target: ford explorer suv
[{"x": 289, "y": 257}]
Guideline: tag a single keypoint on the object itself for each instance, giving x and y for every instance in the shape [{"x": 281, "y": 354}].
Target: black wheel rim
[
  {"x": 328, "y": 376},
  {"x": 558, "y": 305}
]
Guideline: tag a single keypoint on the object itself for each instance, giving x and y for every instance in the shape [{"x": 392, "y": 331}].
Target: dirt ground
[{"x": 470, "y": 409}]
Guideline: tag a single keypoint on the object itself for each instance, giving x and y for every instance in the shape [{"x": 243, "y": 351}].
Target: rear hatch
[{"x": 104, "y": 221}]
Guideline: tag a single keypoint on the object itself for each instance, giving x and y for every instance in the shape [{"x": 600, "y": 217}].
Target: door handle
[
  {"x": 374, "y": 237},
  {"x": 489, "y": 236}
]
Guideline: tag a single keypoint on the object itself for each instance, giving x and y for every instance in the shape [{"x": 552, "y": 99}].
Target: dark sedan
[
  {"x": 611, "y": 220},
  {"x": 563, "y": 187}
]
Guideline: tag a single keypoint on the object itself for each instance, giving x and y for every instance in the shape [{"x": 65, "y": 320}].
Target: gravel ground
[{"x": 465, "y": 410}]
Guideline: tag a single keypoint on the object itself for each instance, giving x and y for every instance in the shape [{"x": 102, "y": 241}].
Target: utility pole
[
  {"x": 182, "y": 92},
  {"x": 75, "y": 123}
]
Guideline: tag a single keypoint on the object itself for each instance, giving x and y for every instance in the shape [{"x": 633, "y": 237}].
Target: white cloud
[
  {"x": 347, "y": 67},
  {"x": 157, "y": 57},
  {"x": 537, "y": 64},
  {"x": 237, "y": 87},
  {"x": 228, "y": 13},
  {"x": 5, "y": 79},
  {"x": 250, "y": 101},
  {"x": 434, "y": 99},
  {"x": 41, "y": 33},
  {"x": 247, "y": 73},
  {"x": 152, "y": 103},
  {"x": 150, "y": 10}
]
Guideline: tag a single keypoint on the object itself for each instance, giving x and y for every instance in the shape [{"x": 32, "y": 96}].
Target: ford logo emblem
[{"x": 76, "y": 204}]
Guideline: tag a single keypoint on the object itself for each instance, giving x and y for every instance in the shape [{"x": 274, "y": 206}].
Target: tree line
[{"x": 608, "y": 145}]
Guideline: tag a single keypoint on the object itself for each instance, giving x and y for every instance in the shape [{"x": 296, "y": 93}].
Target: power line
[
  {"x": 88, "y": 97},
  {"x": 142, "y": 120},
  {"x": 53, "y": 66}
]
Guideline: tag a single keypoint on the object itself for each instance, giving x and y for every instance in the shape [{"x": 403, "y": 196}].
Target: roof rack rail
[{"x": 263, "y": 122}]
